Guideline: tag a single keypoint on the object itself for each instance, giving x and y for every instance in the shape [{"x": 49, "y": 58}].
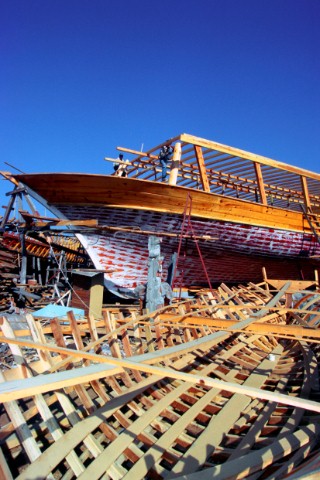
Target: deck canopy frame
[{"x": 229, "y": 171}]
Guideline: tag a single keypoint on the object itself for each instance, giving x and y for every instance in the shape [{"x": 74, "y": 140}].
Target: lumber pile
[{"x": 226, "y": 383}]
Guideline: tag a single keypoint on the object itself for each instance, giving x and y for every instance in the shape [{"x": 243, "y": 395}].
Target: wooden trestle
[{"x": 227, "y": 384}]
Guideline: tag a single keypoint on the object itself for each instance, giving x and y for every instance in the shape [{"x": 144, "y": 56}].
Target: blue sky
[{"x": 80, "y": 77}]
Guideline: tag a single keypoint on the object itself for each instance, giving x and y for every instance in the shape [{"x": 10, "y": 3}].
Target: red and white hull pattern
[{"x": 126, "y": 253}]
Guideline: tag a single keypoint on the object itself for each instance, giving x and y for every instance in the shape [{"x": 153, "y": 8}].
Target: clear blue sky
[{"x": 80, "y": 77}]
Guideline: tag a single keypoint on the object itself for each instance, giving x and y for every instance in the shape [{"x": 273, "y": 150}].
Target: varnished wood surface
[{"x": 102, "y": 190}]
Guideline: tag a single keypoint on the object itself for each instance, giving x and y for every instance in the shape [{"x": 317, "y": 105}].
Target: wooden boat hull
[{"x": 132, "y": 208}]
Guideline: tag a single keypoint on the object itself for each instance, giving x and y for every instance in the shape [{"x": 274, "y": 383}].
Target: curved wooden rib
[{"x": 128, "y": 422}]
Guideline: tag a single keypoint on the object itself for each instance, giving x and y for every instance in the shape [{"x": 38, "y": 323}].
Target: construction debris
[
  {"x": 226, "y": 383},
  {"x": 223, "y": 382}
]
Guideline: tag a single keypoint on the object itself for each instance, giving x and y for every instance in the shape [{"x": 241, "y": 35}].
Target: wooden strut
[
  {"x": 149, "y": 425},
  {"x": 13, "y": 389},
  {"x": 94, "y": 227},
  {"x": 188, "y": 320}
]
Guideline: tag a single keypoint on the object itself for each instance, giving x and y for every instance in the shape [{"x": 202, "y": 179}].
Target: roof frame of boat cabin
[{"x": 221, "y": 169}]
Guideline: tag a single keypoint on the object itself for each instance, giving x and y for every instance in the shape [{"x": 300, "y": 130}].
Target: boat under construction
[
  {"x": 224, "y": 211},
  {"x": 222, "y": 382}
]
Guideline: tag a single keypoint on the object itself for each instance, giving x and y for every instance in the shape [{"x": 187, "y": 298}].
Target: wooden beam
[
  {"x": 175, "y": 164},
  {"x": 262, "y": 192},
  {"x": 138, "y": 363},
  {"x": 136, "y": 152},
  {"x": 257, "y": 328},
  {"x": 202, "y": 168},
  {"x": 159, "y": 197},
  {"x": 202, "y": 142},
  {"x": 305, "y": 192}
]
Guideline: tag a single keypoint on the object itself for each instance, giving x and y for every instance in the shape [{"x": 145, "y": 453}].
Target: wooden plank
[
  {"x": 57, "y": 451},
  {"x": 251, "y": 437},
  {"x": 255, "y": 327},
  {"x": 104, "y": 461},
  {"x": 140, "y": 469},
  {"x": 295, "y": 284},
  {"x": 202, "y": 168},
  {"x": 211, "y": 437},
  {"x": 162, "y": 372},
  {"x": 162, "y": 198},
  {"x": 305, "y": 191},
  {"x": 258, "y": 460},
  {"x": 22, "y": 430},
  {"x": 17, "y": 389}
]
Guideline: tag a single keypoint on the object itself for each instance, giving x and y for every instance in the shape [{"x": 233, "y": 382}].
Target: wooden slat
[
  {"x": 204, "y": 445},
  {"x": 258, "y": 460},
  {"x": 57, "y": 451}
]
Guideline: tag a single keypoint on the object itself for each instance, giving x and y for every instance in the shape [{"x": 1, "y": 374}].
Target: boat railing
[{"x": 219, "y": 169}]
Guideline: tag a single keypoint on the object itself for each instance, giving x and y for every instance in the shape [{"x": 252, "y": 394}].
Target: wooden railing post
[
  {"x": 202, "y": 169},
  {"x": 263, "y": 197},
  {"x": 305, "y": 192},
  {"x": 175, "y": 164}
]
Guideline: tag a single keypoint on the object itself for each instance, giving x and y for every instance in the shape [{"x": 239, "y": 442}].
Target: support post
[
  {"x": 260, "y": 183},
  {"x": 7, "y": 213},
  {"x": 23, "y": 266},
  {"x": 154, "y": 299},
  {"x": 202, "y": 169},
  {"x": 175, "y": 164},
  {"x": 172, "y": 267},
  {"x": 305, "y": 192}
]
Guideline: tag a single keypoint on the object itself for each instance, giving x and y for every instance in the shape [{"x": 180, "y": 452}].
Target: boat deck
[{"x": 221, "y": 169}]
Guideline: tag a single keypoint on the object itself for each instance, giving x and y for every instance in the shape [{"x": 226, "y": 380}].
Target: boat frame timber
[{"x": 175, "y": 400}]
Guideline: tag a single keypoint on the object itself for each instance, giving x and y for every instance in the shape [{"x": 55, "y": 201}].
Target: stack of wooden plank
[{"x": 226, "y": 384}]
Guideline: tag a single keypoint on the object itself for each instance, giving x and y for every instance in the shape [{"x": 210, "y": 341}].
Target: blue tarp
[{"x": 58, "y": 311}]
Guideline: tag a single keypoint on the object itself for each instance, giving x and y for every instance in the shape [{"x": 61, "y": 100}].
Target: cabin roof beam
[{"x": 247, "y": 155}]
